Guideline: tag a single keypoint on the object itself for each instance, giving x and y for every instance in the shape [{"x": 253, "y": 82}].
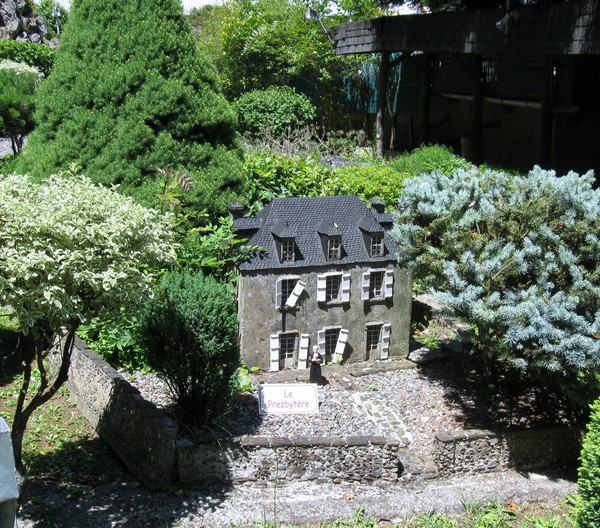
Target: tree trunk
[{"x": 34, "y": 353}]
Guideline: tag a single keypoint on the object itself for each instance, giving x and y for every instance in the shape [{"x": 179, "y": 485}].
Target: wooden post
[
  {"x": 546, "y": 124},
  {"x": 381, "y": 101},
  {"x": 425, "y": 94},
  {"x": 477, "y": 109}
]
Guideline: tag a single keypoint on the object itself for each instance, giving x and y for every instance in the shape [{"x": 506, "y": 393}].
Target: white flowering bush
[
  {"x": 21, "y": 69},
  {"x": 518, "y": 257},
  {"x": 70, "y": 250}
]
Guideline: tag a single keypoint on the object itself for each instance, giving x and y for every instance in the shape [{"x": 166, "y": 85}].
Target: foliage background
[{"x": 130, "y": 92}]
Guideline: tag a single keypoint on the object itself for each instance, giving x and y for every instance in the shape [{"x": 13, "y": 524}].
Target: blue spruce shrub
[{"x": 518, "y": 257}]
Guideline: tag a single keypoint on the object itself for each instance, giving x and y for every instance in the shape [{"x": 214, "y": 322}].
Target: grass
[
  {"x": 480, "y": 514},
  {"x": 59, "y": 445}
]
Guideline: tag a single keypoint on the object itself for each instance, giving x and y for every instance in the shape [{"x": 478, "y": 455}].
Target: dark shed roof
[{"x": 308, "y": 220}]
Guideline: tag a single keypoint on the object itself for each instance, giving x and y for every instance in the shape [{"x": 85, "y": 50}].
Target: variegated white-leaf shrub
[
  {"x": 518, "y": 257},
  {"x": 70, "y": 250}
]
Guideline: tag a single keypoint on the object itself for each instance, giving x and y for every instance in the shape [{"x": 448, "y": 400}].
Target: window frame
[
  {"x": 325, "y": 286},
  {"x": 288, "y": 250},
  {"x": 334, "y": 247},
  {"x": 377, "y": 247}
]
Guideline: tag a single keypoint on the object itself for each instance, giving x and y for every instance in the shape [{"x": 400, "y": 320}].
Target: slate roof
[{"x": 309, "y": 221}]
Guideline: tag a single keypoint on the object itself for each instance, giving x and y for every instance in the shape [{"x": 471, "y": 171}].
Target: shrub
[
  {"x": 190, "y": 338},
  {"x": 130, "y": 92},
  {"x": 427, "y": 159},
  {"x": 588, "y": 483},
  {"x": 19, "y": 82},
  {"x": 70, "y": 251},
  {"x": 39, "y": 56},
  {"x": 271, "y": 175},
  {"x": 378, "y": 180},
  {"x": 516, "y": 257},
  {"x": 276, "y": 109}
]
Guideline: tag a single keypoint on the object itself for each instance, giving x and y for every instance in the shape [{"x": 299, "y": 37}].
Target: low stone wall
[
  {"x": 252, "y": 459},
  {"x": 147, "y": 441},
  {"x": 141, "y": 435},
  {"x": 482, "y": 450}
]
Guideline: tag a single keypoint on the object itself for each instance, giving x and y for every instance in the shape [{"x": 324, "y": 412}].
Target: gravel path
[{"x": 392, "y": 399}]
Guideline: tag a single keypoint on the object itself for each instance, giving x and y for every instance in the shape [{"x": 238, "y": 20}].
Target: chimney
[
  {"x": 236, "y": 210},
  {"x": 378, "y": 206}
]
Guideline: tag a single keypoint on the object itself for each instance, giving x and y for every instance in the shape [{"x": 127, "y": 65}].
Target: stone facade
[
  {"x": 143, "y": 437},
  {"x": 256, "y": 459},
  {"x": 260, "y": 317}
]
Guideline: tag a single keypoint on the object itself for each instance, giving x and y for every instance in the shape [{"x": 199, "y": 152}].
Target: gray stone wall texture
[
  {"x": 147, "y": 441},
  {"x": 141, "y": 435},
  {"x": 262, "y": 459},
  {"x": 484, "y": 451},
  {"x": 260, "y": 317}
]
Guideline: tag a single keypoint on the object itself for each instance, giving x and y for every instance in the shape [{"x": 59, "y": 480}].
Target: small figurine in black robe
[{"x": 316, "y": 375}]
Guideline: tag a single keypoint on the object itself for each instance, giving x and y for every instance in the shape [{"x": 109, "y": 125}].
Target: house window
[
  {"x": 377, "y": 245},
  {"x": 288, "y": 250},
  {"x": 288, "y": 292},
  {"x": 378, "y": 341},
  {"x": 334, "y": 248},
  {"x": 373, "y": 339},
  {"x": 287, "y": 287},
  {"x": 287, "y": 346},
  {"x": 376, "y": 284},
  {"x": 331, "y": 340},
  {"x": 332, "y": 343},
  {"x": 333, "y": 287}
]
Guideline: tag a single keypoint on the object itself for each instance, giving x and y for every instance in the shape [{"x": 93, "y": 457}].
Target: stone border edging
[{"x": 475, "y": 450}]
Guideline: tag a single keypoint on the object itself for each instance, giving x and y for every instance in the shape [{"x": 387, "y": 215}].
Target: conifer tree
[
  {"x": 517, "y": 258},
  {"x": 131, "y": 92}
]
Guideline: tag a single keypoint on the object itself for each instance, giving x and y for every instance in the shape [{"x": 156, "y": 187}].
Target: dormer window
[
  {"x": 377, "y": 245},
  {"x": 334, "y": 248},
  {"x": 288, "y": 250}
]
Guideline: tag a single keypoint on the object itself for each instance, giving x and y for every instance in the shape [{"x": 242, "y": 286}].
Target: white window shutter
[
  {"x": 321, "y": 343},
  {"x": 384, "y": 345},
  {"x": 388, "y": 284},
  {"x": 366, "y": 286},
  {"x": 274, "y": 347},
  {"x": 346, "y": 278},
  {"x": 303, "y": 351},
  {"x": 278, "y": 294},
  {"x": 321, "y": 288},
  {"x": 295, "y": 295},
  {"x": 340, "y": 346}
]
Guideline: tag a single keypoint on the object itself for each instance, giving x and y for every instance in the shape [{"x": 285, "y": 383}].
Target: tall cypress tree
[{"x": 130, "y": 92}]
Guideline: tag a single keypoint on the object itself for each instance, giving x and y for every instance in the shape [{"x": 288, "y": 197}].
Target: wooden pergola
[{"x": 532, "y": 34}]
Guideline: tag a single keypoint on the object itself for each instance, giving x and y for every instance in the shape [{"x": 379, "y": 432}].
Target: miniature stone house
[{"x": 326, "y": 275}]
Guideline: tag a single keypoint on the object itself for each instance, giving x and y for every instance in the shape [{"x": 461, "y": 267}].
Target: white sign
[{"x": 288, "y": 398}]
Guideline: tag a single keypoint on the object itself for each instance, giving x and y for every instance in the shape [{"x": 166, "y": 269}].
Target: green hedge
[
  {"x": 39, "y": 56},
  {"x": 588, "y": 484},
  {"x": 276, "y": 110}
]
